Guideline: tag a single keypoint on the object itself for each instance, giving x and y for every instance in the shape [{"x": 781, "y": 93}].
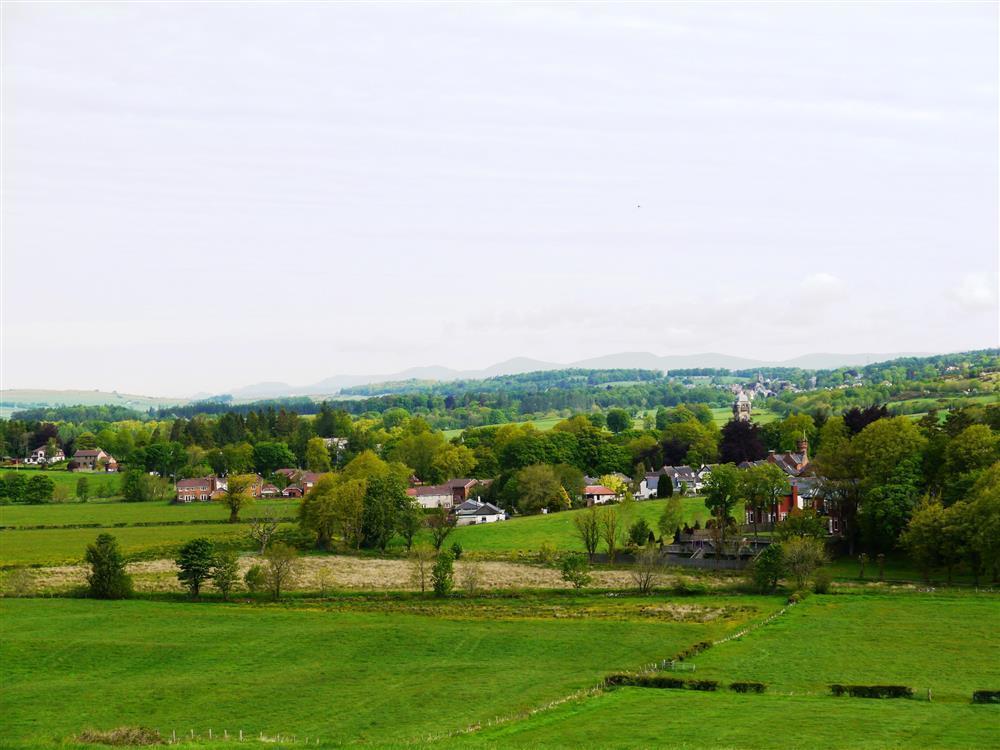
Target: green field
[
  {"x": 945, "y": 643},
  {"x": 340, "y": 676},
  {"x": 529, "y": 533},
  {"x": 540, "y": 424},
  {"x": 66, "y": 546},
  {"x": 101, "y": 484},
  {"x": 111, "y": 514},
  {"x": 642, "y": 718}
]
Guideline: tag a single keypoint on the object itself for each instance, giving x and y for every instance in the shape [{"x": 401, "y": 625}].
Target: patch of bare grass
[{"x": 121, "y": 737}]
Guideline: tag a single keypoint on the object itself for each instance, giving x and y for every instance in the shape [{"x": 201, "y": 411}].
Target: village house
[
  {"x": 303, "y": 479},
  {"x": 199, "y": 489},
  {"x": 447, "y": 495},
  {"x": 203, "y": 489},
  {"x": 598, "y": 494},
  {"x": 93, "y": 460},
  {"x": 473, "y": 512},
  {"x": 40, "y": 456}
]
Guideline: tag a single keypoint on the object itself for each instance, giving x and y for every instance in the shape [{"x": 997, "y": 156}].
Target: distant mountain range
[{"x": 644, "y": 360}]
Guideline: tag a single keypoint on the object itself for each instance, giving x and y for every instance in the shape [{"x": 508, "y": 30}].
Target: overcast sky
[{"x": 199, "y": 196}]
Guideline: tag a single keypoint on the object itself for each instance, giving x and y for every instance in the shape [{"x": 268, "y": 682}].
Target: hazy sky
[{"x": 198, "y": 196}]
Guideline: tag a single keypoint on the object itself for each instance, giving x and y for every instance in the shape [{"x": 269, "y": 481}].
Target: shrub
[
  {"x": 685, "y": 587},
  {"x": 638, "y": 533},
  {"x": 702, "y": 685},
  {"x": 872, "y": 691},
  {"x": 748, "y": 687},
  {"x": 576, "y": 570},
  {"x": 798, "y": 596},
  {"x": 443, "y": 574},
  {"x": 107, "y": 579},
  {"x": 693, "y": 650},
  {"x": 254, "y": 579},
  {"x": 546, "y": 553},
  {"x": 658, "y": 680},
  {"x": 456, "y": 550},
  {"x": 822, "y": 579},
  {"x": 195, "y": 563},
  {"x": 767, "y": 569},
  {"x": 986, "y": 696}
]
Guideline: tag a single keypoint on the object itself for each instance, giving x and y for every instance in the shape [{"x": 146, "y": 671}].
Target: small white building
[
  {"x": 598, "y": 494},
  {"x": 473, "y": 512},
  {"x": 39, "y": 456}
]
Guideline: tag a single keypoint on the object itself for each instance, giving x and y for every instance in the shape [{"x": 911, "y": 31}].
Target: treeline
[{"x": 529, "y": 382}]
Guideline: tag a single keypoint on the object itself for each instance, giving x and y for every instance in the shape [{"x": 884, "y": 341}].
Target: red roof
[{"x": 597, "y": 489}]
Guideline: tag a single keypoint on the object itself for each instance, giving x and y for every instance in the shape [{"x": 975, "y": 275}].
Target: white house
[
  {"x": 472, "y": 512},
  {"x": 433, "y": 496},
  {"x": 39, "y": 456},
  {"x": 598, "y": 494}
]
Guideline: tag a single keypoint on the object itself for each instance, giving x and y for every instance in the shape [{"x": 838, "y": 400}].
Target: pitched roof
[
  {"x": 194, "y": 484},
  {"x": 88, "y": 453},
  {"x": 597, "y": 489}
]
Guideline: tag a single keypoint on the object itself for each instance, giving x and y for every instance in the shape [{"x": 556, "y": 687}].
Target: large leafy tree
[
  {"x": 723, "y": 490},
  {"x": 539, "y": 488},
  {"x": 194, "y": 562},
  {"x": 762, "y": 485},
  {"x": 237, "y": 495},
  {"x": 269, "y": 456},
  {"x": 107, "y": 578},
  {"x": 741, "y": 441}
]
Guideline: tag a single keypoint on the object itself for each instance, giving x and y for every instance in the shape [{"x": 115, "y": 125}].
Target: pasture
[
  {"x": 943, "y": 642},
  {"x": 343, "y": 676},
  {"x": 66, "y": 546},
  {"x": 101, "y": 484},
  {"x": 529, "y": 533},
  {"x": 118, "y": 513}
]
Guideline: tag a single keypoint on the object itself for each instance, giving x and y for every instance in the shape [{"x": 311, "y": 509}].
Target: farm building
[{"x": 473, "y": 511}]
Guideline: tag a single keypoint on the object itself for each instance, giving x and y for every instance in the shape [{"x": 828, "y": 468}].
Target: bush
[
  {"x": 748, "y": 687},
  {"x": 798, "y": 596},
  {"x": 107, "y": 579},
  {"x": 693, "y": 650},
  {"x": 822, "y": 579},
  {"x": 546, "y": 553},
  {"x": 685, "y": 587},
  {"x": 986, "y": 696},
  {"x": 576, "y": 570},
  {"x": 255, "y": 579},
  {"x": 443, "y": 574},
  {"x": 456, "y": 550},
  {"x": 658, "y": 680},
  {"x": 638, "y": 533},
  {"x": 872, "y": 691},
  {"x": 767, "y": 569}
]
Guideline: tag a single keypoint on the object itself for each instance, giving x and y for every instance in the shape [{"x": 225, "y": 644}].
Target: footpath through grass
[{"x": 342, "y": 676}]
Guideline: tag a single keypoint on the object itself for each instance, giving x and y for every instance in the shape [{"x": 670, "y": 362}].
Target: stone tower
[{"x": 741, "y": 408}]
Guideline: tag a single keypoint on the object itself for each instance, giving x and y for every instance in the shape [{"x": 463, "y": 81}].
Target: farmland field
[
  {"x": 944, "y": 643},
  {"x": 334, "y": 675},
  {"x": 529, "y": 533},
  {"x": 60, "y": 546},
  {"x": 540, "y": 424},
  {"x": 102, "y": 484},
  {"x": 111, "y": 514}
]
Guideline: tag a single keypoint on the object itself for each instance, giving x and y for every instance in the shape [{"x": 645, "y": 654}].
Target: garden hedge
[{"x": 872, "y": 691}]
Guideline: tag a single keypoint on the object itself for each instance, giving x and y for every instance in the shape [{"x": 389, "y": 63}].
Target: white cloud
[{"x": 976, "y": 292}]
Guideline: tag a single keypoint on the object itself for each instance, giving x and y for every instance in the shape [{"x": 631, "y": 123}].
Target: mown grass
[
  {"x": 529, "y": 533},
  {"x": 67, "y": 546},
  {"x": 111, "y": 514},
  {"x": 101, "y": 484},
  {"x": 945, "y": 642},
  {"x": 341, "y": 676},
  {"x": 541, "y": 425},
  {"x": 644, "y": 718}
]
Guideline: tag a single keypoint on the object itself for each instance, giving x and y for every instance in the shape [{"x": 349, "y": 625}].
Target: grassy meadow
[
  {"x": 340, "y": 676},
  {"x": 118, "y": 513},
  {"x": 102, "y": 485}
]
